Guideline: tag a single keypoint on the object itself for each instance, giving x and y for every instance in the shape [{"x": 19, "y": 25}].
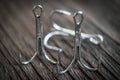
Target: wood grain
[{"x": 17, "y": 32}]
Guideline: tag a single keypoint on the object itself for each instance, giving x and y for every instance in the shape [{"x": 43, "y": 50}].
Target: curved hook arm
[
  {"x": 28, "y": 61},
  {"x": 39, "y": 33},
  {"x": 56, "y": 26},
  {"x": 78, "y": 43},
  {"x": 46, "y": 39},
  {"x": 47, "y": 57},
  {"x": 93, "y": 38},
  {"x": 68, "y": 67}
]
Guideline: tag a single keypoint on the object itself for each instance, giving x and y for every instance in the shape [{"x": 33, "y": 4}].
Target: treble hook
[
  {"x": 78, "y": 43},
  {"x": 37, "y": 10},
  {"x": 77, "y": 57},
  {"x": 39, "y": 34}
]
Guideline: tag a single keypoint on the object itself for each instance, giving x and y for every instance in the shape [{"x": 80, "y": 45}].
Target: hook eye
[
  {"x": 78, "y": 17},
  {"x": 37, "y": 10}
]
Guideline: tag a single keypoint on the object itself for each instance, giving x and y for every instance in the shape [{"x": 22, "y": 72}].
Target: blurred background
[{"x": 17, "y": 32}]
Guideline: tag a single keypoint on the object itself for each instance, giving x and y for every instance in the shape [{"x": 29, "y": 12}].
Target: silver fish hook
[
  {"x": 37, "y": 10},
  {"x": 39, "y": 34},
  {"x": 93, "y": 38},
  {"x": 77, "y": 45},
  {"x": 78, "y": 42}
]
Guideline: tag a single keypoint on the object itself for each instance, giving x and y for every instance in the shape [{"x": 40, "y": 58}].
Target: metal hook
[
  {"x": 47, "y": 37},
  {"x": 39, "y": 33},
  {"x": 37, "y": 10},
  {"x": 93, "y": 38},
  {"x": 78, "y": 42}
]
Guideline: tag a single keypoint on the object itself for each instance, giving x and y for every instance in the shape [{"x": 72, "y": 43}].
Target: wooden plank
[{"x": 17, "y": 31}]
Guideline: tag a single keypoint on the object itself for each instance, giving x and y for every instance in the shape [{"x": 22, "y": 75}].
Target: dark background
[{"x": 17, "y": 32}]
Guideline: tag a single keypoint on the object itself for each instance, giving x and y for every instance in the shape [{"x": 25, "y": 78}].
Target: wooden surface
[{"x": 17, "y": 31}]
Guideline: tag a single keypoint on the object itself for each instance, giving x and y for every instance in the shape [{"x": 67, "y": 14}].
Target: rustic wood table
[{"x": 17, "y": 32}]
